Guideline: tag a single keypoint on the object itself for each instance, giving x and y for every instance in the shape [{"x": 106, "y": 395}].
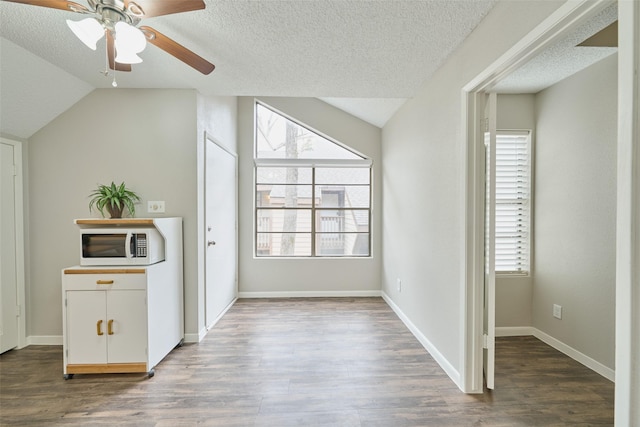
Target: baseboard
[
  {"x": 576, "y": 355},
  {"x": 514, "y": 331},
  {"x": 195, "y": 338},
  {"x": 310, "y": 294},
  {"x": 590, "y": 363},
  {"x": 44, "y": 340},
  {"x": 448, "y": 368}
]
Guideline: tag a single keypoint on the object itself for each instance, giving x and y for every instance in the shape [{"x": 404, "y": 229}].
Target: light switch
[{"x": 557, "y": 311}]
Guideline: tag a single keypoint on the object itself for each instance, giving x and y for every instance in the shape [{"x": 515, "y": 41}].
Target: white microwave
[{"x": 121, "y": 246}]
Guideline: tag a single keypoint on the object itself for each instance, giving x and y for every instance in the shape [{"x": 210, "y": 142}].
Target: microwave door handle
[{"x": 127, "y": 245}]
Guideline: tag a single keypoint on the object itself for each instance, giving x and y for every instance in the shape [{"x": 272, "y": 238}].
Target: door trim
[
  {"x": 627, "y": 374},
  {"x": 566, "y": 18},
  {"x": 20, "y": 259}
]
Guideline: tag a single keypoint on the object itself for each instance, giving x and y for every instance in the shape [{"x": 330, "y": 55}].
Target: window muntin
[
  {"x": 313, "y": 196},
  {"x": 513, "y": 202}
]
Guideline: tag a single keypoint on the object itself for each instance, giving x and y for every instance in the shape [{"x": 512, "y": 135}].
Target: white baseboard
[
  {"x": 195, "y": 338},
  {"x": 448, "y": 368},
  {"x": 576, "y": 355},
  {"x": 514, "y": 331},
  {"x": 44, "y": 340},
  {"x": 590, "y": 363},
  {"x": 310, "y": 294}
]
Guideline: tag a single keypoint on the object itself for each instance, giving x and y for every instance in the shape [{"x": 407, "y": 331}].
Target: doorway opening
[{"x": 478, "y": 341}]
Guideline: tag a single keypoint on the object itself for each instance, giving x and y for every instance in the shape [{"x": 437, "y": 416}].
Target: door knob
[{"x": 211, "y": 243}]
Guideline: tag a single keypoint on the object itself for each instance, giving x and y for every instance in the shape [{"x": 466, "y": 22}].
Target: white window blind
[{"x": 513, "y": 196}]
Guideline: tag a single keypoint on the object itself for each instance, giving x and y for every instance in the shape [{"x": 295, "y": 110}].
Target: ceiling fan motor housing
[{"x": 110, "y": 12}]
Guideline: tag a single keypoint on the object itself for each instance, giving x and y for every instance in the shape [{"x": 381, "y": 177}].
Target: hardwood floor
[{"x": 306, "y": 362}]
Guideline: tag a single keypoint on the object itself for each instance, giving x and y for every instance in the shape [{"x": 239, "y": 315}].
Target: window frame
[
  {"x": 362, "y": 162},
  {"x": 528, "y": 201}
]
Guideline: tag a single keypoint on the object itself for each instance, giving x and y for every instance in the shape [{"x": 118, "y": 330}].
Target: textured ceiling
[
  {"x": 562, "y": 59},
  {"x": 364, "y": 57},
  {"x": 377, "y": 52}
]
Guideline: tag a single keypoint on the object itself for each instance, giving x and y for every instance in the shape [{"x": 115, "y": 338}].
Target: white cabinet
[
  {"x": 106, "y": 327},
  {"x": 124, "y": 319}
]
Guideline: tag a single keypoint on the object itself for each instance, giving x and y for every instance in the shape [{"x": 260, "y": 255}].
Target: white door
[
  {"x": 127, "y": 326},
  {"x": 221, "y": 232},
  {"x": 86, "y": 327},
  {"x": 490, "y": 240},
  {"x": 8, "y": 266}
]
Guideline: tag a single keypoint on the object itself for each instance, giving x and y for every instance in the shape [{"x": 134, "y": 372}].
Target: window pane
[
  {"x": 277, "y": 196},
  {"x": 343, "y": 175},
  {"x": 276, "y": 175},
  {"x": 280, "y": 138},
  {"x": 346, "y": 196},
  {"x": 342, "y": 244},
  {"x": 342, "y": 220},
  {"x": 283, "y": 220},
  {"x": 283, "y": 244}
]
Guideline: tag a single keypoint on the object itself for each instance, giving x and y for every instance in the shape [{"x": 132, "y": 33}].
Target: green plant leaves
[{"x": 113, "y": 196}]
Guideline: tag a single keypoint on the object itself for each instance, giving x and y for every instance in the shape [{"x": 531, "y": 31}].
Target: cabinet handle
[
  {"x": 104, "y": 282},
  {"x": 99, "y": 327},
  {"x": 110, "y": 327}
]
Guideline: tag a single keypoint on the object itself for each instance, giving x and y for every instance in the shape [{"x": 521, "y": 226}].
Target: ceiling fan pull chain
[
  {"x": 114, "y": 83},
  {"x": 106, "y": 57}
]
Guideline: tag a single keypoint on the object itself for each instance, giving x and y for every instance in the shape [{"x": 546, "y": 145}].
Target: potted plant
[{"x": 114, "y": 198}]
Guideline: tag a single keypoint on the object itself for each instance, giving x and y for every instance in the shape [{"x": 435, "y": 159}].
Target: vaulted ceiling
[{"x": 366, "y": 57}]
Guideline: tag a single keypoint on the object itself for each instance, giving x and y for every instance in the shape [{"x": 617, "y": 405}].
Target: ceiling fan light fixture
[
  {"x": 129, "y": 41},
  {"x": 130, "y": 37},
  {"x": 124, "y": 57},
  {"x": 89, "y": 31}
]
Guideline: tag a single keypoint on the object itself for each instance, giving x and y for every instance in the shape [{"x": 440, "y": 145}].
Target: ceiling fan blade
[
  {"x": 163, "y": 7},
  {"x": 110, "y": 53},
  {"x": 177, "y": 50},
  {"x": 54, "y": 4},
  {"x": 607, "y": 37}
]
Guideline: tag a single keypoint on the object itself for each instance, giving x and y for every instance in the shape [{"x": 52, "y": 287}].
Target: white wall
[
  {"x": 423, "y": 185},
  {"x": 307, "y": 276},
  {"x": 575, "y": 207},
  {"x": 514, "y": 294},
  {"x": 147, "y": 138}
]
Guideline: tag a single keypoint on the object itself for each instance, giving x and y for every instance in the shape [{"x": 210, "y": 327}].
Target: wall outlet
[
  {"x": 155, "y": 206},
  {"x": 557, "y": 311},
  {"x": 399, "y": 283}
]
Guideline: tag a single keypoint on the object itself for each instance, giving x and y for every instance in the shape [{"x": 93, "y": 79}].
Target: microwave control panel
[{"x": 141, "y": 245}]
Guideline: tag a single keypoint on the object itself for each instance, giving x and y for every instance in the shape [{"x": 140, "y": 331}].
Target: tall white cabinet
[{"x": 124, "y": 319}]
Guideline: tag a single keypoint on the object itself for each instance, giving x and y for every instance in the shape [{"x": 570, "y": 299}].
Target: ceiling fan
[{"x": 118, "y": 21}]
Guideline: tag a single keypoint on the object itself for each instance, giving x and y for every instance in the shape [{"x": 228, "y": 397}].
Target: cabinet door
[
  {"x": 86, "y": 327},
  {"x": 126, "y": 326}
]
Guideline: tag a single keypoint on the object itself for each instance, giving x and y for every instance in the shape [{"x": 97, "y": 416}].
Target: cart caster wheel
[
  {"x": 68, "y": 376},
  {"x": 151, "y": 373}
]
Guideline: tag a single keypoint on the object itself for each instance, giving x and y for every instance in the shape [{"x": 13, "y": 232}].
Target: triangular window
[{"x": 278, "y": 137}]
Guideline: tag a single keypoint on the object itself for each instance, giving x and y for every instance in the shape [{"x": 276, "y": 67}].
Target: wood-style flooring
[{"x": 306, "y": 362}]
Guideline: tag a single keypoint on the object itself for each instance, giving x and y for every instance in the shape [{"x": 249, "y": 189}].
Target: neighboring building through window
[
  {"x": 313, "y": 195},
  {"x": 513, "y": 201}
]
